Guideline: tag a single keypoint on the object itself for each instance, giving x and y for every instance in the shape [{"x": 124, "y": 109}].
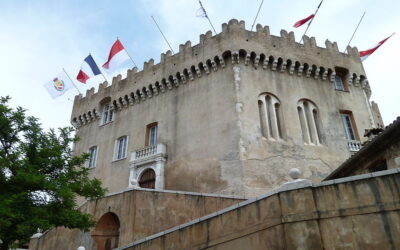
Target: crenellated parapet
[
  {"x": 250, "y": 59},
  {"x": 234, "y": 45}
]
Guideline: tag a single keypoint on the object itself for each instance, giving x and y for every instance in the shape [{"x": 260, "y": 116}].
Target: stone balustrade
[
  {"x": 148, "y": 151},
  {"x": 353, "y": 145}
]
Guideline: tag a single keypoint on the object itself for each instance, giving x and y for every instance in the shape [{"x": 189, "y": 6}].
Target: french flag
[
  {"x": 117, "y": 56},
  {"x": 366, "y": 53},
  {"x": 88, "y": 69}
]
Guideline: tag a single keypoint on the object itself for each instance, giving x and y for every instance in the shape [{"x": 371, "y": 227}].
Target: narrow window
[
  {"x": 121, "y": 148},
  {"x": 148, "y": 179},
  {"x": 350, "y": 130},
  {"x": 303, "y": 125},
  {"x": 270, "y": 117},
  {"x": 309, "y": 122},
  {"x": 278, "y": 119},
  {"x": 91, "y": 163},
  {"x": 263, "y": 121},
  {"x": 151, "y": 134},
  {"x": 317, "y": 124},
  {"x": 108, "y": 113},
  {"x": 348, "y": 127}
]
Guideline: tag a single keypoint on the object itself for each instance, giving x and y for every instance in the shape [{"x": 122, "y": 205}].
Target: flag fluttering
[
  {"x": 88, "y": 69},
  {"x": 201, "y": 12},
  {"x": 59, "y": 85},
  {"x": 117, "y": 56},
  {"x": 366, "y": 53},
  {"x": 303, "y": 21}
]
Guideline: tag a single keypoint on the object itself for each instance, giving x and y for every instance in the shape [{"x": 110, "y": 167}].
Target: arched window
[
  {"x": 147, "y": 179},
  {"x": 309, "y": 121},
  {"x": 270, "y": 116}
]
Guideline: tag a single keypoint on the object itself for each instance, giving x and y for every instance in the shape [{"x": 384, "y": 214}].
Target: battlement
[{"x": 233, "y": 45}]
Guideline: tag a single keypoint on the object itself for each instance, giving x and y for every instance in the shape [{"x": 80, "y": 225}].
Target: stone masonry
[{"x": 210, "y": 102}]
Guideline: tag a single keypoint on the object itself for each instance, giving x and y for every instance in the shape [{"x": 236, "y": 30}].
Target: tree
[{"x": 40, "y": 178}]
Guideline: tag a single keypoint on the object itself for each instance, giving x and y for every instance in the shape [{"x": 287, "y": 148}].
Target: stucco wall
[
  {"x": 141, "y": 213},
  {"x": 360, "y": 212}
]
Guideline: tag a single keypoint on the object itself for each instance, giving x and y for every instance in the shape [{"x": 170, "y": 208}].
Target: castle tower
[{"x": 229, "y": 115}]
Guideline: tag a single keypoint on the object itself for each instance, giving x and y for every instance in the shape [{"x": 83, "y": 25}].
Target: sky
[{"x": 39, "y": 38}]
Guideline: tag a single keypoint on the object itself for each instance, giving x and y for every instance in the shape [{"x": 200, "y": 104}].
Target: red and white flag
[
  {"x": 117, "y": 56},
  {"x": 303, "y": 21},
  {"x": 366, "y": 53}
]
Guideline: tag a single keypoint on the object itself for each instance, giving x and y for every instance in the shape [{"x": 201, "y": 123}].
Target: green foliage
[{"x": 40, "y": 178}]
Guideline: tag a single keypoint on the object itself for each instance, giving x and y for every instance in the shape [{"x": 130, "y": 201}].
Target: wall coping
[{"x": 300, "y": 185}]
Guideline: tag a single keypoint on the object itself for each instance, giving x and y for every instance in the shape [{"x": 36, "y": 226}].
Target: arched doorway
[
  {"x": 148, "y": 179},
  {"x": 106, "y": 232}
]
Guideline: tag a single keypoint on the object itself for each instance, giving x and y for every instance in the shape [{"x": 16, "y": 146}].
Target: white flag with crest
[{"x": 59, "y": 85}]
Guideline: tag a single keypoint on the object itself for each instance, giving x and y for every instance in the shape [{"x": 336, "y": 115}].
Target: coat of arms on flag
[{"x": 59, "y": 85}]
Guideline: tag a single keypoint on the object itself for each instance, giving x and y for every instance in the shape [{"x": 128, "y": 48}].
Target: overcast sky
[{"x": 39, "y": 38}]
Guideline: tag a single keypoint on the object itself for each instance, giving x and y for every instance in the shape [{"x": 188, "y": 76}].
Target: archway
[{"x": 106, "y": 232}]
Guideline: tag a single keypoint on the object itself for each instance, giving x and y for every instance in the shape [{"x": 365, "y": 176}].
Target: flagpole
[
  {"x": 71, "y": 80},
  {"x": 354, "y": 32},
  {"x": 262, "y": 1},
  {"x": 163, "y": 35},
  {"x": 212, "y": 26},
  {"x": 129, "y": 55},
  {"x": 104, "y": 76},
  {"x": 308, "y": 26}
]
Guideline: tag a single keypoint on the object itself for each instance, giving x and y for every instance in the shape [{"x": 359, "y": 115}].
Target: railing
[
  {"x": 148, "y": 151},
  {"x": 143, "y": 152},
  {"x": 354, "y": 146}
]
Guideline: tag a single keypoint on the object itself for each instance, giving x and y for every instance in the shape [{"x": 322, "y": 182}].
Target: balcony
[
  {"x": 153, "y": 157},
  {"x": 353, "y": 145},
  {"x": 148, "y": 152}
]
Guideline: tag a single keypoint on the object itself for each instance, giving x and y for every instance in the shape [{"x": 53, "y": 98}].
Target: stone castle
[
  {"x": 195, "y": 151},
  {"x": 230, "y": 115}
]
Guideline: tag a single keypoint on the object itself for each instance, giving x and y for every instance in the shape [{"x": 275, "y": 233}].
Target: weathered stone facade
[
  {"x": 381, "y": 152},
  {"x": 132, "y": 215},
  {"x": 360, "y": 212},
  {"x": 210, "y": 102}
]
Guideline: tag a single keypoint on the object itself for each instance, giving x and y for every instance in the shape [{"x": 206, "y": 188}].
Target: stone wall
[
  {"x": 205, "y": 98},
  {"x": 359, "y": 212},
  {"x": 139, "y": 213}
]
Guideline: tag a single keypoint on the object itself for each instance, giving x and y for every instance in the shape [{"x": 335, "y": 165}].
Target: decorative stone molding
[
  {"x": 195, "y": 71},
  {"x": 153, "y": 157}
]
